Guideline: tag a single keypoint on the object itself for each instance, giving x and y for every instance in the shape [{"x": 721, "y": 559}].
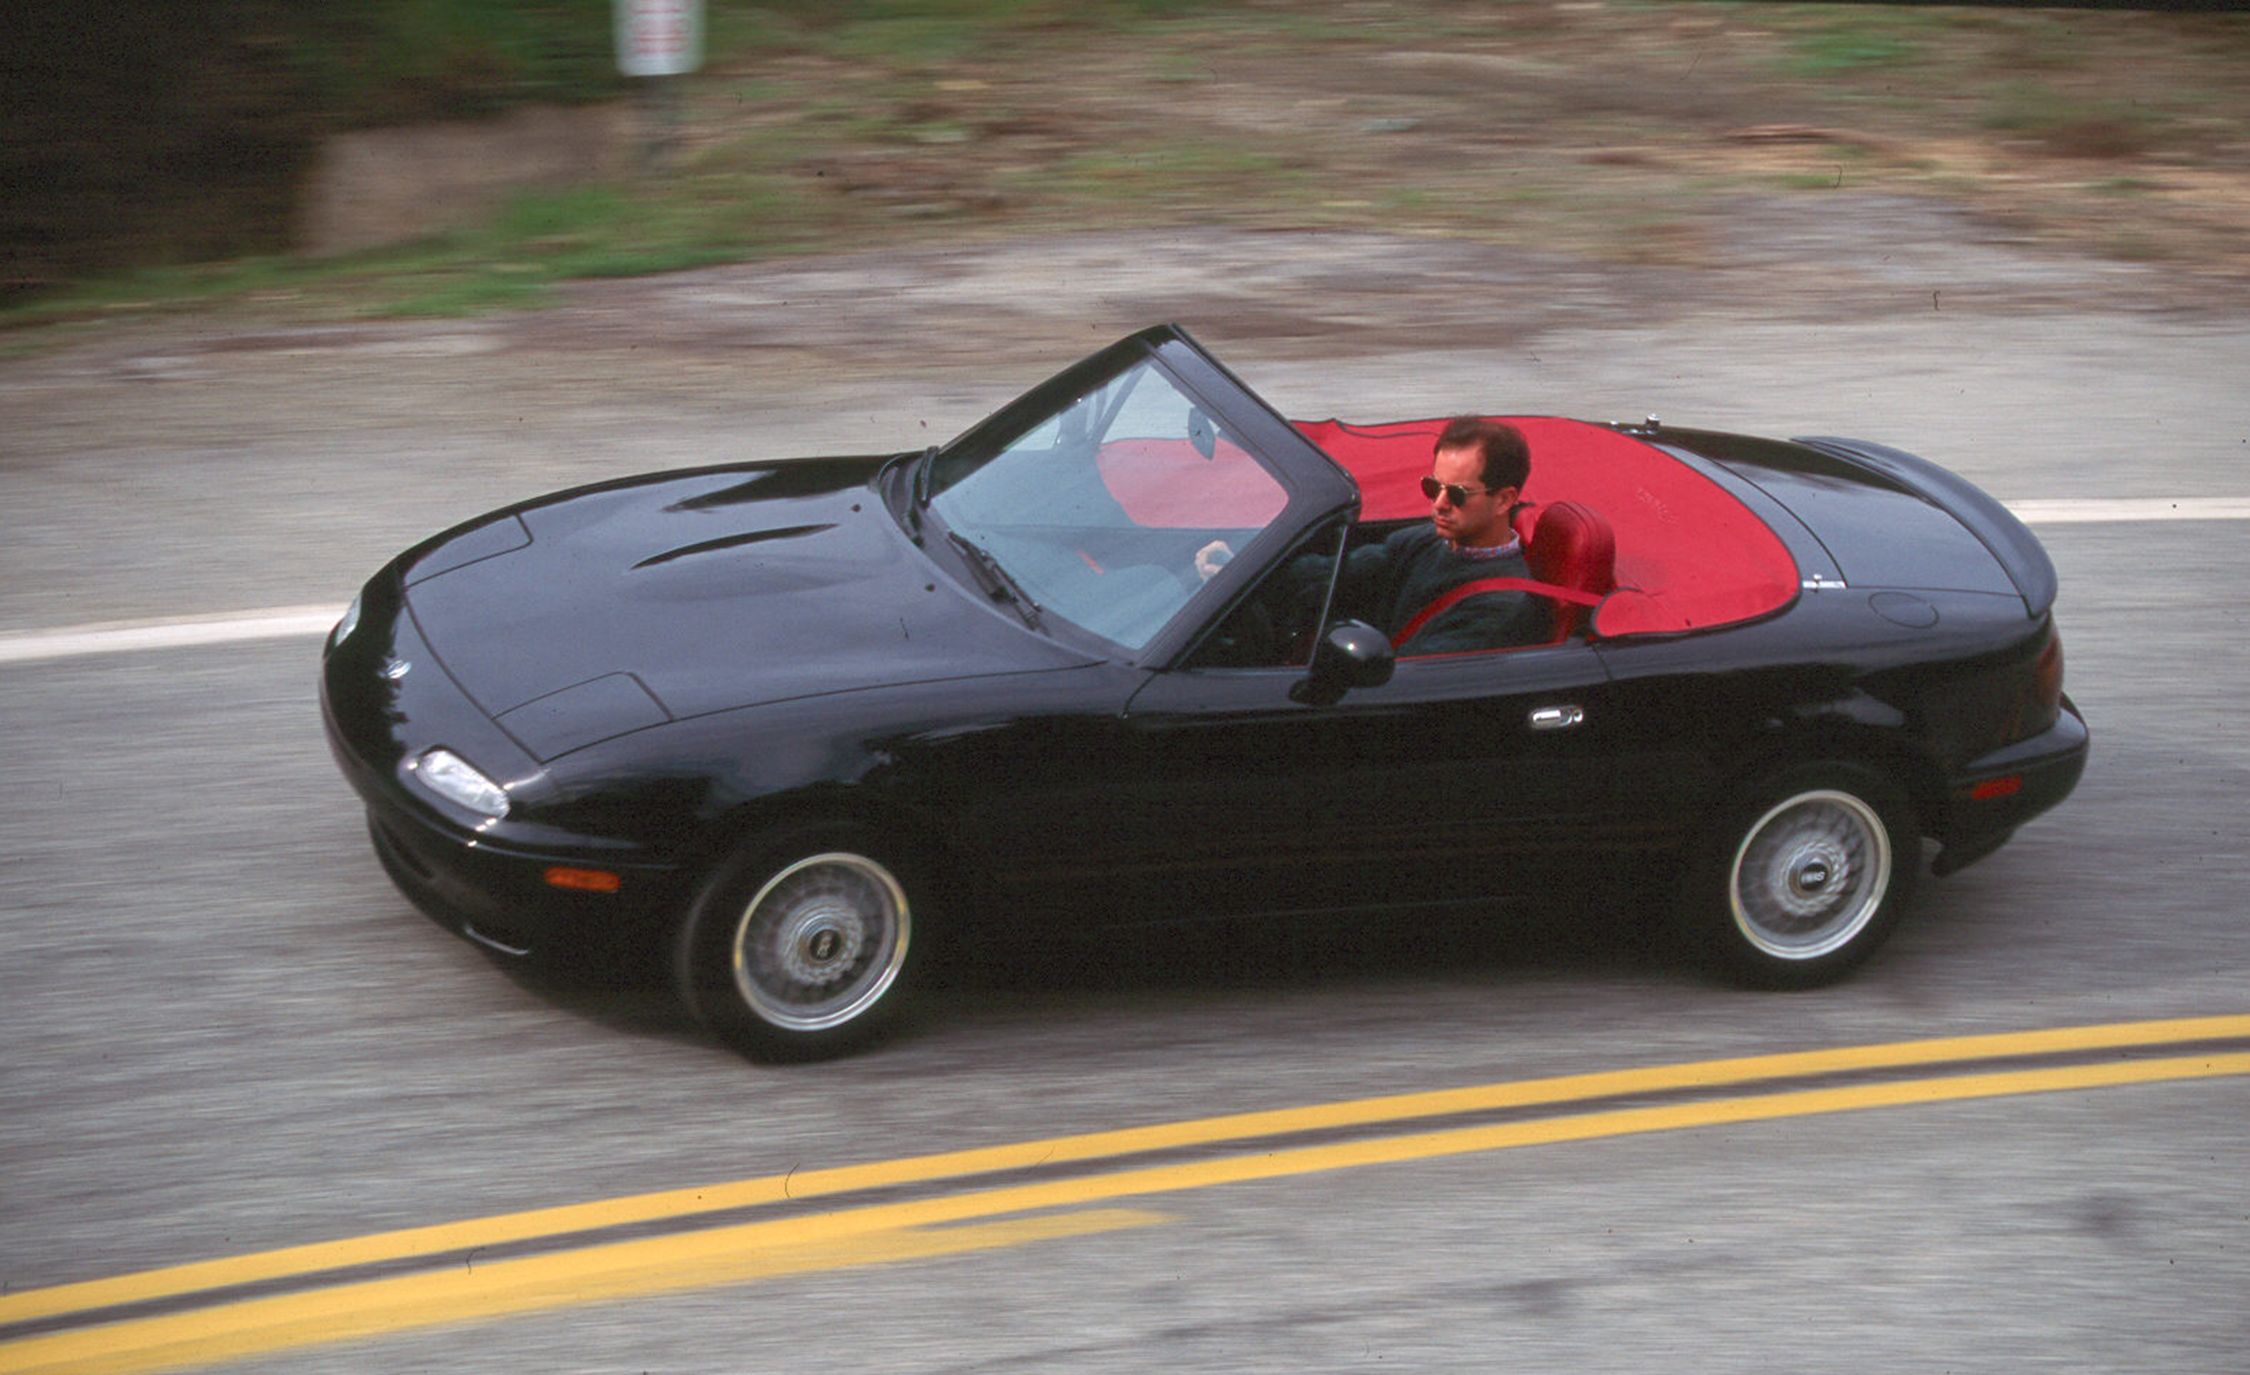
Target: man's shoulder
[{"x": 1412, "y": 540}]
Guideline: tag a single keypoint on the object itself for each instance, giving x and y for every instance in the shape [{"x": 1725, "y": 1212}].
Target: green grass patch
[
  {"x": 147, "y": 289},
  {"x": 1851, "y": 45},
  {"x": 467, "y": 295},
  {"x": 607, "y": 231},
  {"x": 511, "y": 261},
  {"x": 906, "y": 42}
]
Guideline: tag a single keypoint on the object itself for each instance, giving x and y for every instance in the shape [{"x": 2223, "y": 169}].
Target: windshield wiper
[{"x": 998, "y": 584}]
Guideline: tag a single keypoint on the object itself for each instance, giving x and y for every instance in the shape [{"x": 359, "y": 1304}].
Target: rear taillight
[
  {"x": 2046, "y": 679},
  {"x": 2039, "y": 700}
]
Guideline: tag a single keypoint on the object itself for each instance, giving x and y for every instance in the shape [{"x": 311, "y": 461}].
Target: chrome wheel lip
[
  {"x": 861, "y": 926},
  {"x": 1821, "y": 858}
]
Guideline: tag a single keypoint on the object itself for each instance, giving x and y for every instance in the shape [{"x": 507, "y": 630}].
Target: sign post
[{"x": 658, "y": 40}]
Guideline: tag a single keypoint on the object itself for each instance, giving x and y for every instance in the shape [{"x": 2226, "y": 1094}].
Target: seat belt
[{"x": 1453, "y": 596}]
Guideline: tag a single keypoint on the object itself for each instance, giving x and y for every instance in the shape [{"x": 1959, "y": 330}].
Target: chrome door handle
[{"x": 1556, "y": 718}]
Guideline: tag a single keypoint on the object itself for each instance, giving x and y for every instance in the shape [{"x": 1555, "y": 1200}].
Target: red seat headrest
[
  {"x": 1526, "y": 520},
  {"x": 1574, "y": 547}
]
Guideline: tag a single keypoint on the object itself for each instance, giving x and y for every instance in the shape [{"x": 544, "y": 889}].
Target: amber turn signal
[{"x": 584, "y": 880}]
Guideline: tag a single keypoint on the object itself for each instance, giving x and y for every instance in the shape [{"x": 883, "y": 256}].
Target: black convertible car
[{"x": 789, "y": 720}]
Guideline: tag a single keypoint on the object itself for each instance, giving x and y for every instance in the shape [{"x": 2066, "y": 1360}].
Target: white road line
[
  {"x": 115, "y": 637},
  {"x": 281, "y": 622},
  {"x": 2126, "y": 510}
]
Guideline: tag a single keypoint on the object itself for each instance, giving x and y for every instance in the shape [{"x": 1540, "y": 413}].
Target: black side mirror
[{"x": 1353, "y": 654}]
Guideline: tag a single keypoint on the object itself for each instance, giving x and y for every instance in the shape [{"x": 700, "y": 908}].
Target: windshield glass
[{"x": 1099, "y": 511}]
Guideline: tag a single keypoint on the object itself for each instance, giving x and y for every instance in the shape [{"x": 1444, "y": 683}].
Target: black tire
[
  {"x": 802, "y": 947},
  {"x": 1796, "y": 884}
]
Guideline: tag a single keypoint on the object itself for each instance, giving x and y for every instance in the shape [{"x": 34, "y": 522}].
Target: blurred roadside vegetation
[
  {"x": 150, "y": 132},
  {"x": 1625, "y": 129}
]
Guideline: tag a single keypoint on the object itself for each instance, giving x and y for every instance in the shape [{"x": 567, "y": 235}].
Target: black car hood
[{"x": 599, "y": 611}]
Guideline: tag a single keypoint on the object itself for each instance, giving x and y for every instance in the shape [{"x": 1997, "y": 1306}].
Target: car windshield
[{"x": 1098, "y": 512}]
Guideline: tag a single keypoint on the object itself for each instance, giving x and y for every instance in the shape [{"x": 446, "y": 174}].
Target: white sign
[{"x": 659, "y": 37}]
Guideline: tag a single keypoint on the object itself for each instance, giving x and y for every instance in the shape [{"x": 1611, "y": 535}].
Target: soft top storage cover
[{"x": 1689, "y": 555}]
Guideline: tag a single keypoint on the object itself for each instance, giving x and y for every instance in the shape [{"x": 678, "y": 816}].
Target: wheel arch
[
  {"x": 1847, "y": 739},
  {"x": 757, "y": 823}
]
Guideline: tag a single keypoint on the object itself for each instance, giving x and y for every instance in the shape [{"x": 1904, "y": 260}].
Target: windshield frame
[{"x": 1314, "y": 487}]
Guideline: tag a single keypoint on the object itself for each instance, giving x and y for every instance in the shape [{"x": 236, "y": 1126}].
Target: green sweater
[{"x": 1393, "y": 580}]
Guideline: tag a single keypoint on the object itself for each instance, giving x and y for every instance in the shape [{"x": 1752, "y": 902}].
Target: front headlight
[
  {"x": 457, "y": 781},
  {"x": 346, "y": 626}
]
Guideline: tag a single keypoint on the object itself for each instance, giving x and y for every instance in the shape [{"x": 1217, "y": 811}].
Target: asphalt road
[{"x": 224, "y": 1032}]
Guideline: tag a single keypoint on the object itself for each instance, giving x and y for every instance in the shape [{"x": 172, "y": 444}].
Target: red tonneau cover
[{"x": 1689, "y": 556}]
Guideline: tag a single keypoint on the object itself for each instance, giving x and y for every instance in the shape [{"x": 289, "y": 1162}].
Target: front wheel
[
  {"x": 1801, "y": 881},
  {"x": 801, "y": 950}
]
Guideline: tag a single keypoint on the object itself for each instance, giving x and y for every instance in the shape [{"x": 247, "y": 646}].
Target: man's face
[{"x": 1481, "y": 519}]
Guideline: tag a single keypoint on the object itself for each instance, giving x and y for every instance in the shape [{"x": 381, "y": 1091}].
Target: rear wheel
[
  {"x": 1804, "y": 878},
  {"x": 801, "y": 949}
]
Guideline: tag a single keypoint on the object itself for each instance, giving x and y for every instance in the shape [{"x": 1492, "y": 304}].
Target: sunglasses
[{"x": 1454, "y": 491}]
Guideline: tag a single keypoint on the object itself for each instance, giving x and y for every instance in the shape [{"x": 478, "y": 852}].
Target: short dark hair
[{"x": 1506, "y": 455}]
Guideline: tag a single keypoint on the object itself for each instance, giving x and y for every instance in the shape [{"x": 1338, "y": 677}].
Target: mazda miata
[{"x": 785, "y": 722}]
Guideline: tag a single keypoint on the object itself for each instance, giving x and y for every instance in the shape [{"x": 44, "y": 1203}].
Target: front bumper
[
  {"x": 1987, "y": 800},
  {"x": 500, "y": 898},
  {"x": 385, "y": 697}
]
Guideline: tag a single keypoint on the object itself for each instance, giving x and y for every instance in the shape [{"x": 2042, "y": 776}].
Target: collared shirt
[{"x": 1514, "y": 546}]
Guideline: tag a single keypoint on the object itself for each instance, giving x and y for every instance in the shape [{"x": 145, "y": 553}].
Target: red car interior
[
  {"x": 1648, "y": 544},
  {"x": 1662, "y": 547}
]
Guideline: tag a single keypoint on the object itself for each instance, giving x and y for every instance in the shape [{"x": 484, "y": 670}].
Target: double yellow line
[{"x": 243, "y": 1306}]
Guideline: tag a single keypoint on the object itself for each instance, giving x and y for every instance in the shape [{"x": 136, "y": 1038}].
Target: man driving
[{"x": 1477, "y": 471}]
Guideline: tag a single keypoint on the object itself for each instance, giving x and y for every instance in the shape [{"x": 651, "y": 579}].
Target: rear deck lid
[{"x": 1884, "y": 529}]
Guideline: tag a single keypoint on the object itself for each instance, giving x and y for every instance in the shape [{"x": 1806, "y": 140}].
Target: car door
[{"x": 1466, "y": 777}]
